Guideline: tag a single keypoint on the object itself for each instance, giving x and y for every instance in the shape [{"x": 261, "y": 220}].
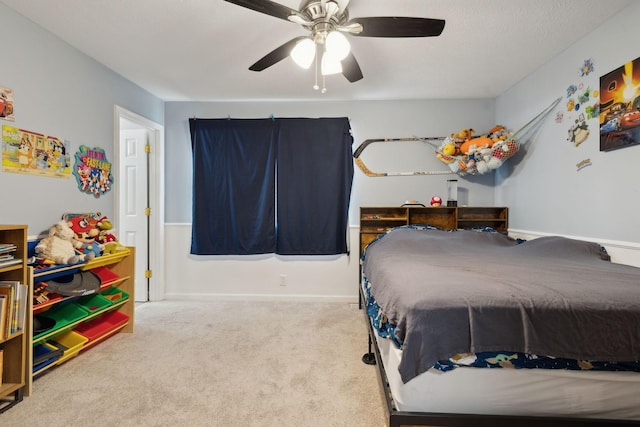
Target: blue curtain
[
  {"x": 315, "y": 172},
  {"x": 233, "y": 186},
  {"x": 235, "y": 162}
]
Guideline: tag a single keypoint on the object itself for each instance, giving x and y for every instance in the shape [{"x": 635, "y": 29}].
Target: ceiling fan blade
[
  {"x": 394, "y": 26},
  {"x": 276, "y": 55},
  {"x": 350, "y": 68},
  {"x": 267, "y": 7}
]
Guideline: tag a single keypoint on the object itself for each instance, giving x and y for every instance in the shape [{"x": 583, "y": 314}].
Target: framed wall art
[{"x": 620, "y": 107}]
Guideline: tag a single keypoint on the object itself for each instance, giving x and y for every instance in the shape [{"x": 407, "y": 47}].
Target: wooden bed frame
[{"x": 398, "y": 418}]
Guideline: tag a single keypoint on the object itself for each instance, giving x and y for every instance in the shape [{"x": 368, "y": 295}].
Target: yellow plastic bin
[{"x": 71, "y": 342}]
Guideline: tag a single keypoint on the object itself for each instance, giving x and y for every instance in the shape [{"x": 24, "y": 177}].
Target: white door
[
  {"x": 134, "y": 202},
  {"x": 139, "y": 184}
]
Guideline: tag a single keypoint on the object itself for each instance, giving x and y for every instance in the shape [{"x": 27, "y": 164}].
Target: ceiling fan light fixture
[
  {"x": 304, "y": 53},
  {"x": 337, "y": 45},
  {"x": 330, "y": 64}
]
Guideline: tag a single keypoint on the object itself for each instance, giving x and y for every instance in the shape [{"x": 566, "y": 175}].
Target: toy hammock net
[
  {"x": 464, "y": 154},
  {"x": 468, "y": 155}
]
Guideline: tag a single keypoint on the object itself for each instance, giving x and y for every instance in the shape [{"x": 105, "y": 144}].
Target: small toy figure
[{"x": 436, "y": 201}]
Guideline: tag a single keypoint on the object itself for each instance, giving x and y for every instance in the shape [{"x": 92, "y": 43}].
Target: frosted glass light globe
[
  {"x": 338, "y": 45},
  {"x": 304, "y": 53}
]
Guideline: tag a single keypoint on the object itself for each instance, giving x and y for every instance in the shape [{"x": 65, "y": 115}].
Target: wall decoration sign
[
  {"x": 33, "y": 153},
  {"x": 620, "y": 107},
  {"x": 580, "y": 106},
  {"x": 583, "y": 164},
  {"x": 6, "y": 103},
  {"x": 93, "y": 171}
]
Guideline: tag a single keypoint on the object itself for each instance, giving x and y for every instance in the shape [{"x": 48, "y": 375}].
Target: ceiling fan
[{"x": 328, "y": 21}]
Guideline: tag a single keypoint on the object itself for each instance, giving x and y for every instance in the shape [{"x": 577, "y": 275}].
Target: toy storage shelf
[
  {"x": 15, "y": 356},
  {"x": 375, "y": 221},
  {"x": 84, "y": 321}
]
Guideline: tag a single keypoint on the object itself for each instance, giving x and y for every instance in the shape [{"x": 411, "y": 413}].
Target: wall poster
[
  {"x": 620, "y": 107},
  {"x": 33, "y": 153},
  {"x": 6, "y": 104}
]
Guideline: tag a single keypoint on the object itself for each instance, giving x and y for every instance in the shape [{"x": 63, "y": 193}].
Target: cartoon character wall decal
[
  {"x": 93, "y": 171},
  {"x": 25, "y": 153}
]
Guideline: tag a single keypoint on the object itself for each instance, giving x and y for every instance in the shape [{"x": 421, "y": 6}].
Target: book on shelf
[
  {"x": 8, "y": 262},
  {"x": 7, "y": 290},
  {"x": 23, "y": 300},
  {"x": 7, "y": 247},
  {"x": 4, "y": 315},
  {"x": 16, "y": 295}
]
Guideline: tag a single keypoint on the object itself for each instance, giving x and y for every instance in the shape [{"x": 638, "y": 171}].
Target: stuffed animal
[
  {"x": 449, "y": 149},
  {"x": 58, "y": 246},
  {"x": 479, "y": 142},
  {"x": 85, "y": 233},
  {"x": 106, "y": 238},
  {"x": 498, "y": 133},
  {"x": 463, "y": 135}
]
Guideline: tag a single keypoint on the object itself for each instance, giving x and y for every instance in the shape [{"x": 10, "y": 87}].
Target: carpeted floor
[{"x": 216, "y": 363}]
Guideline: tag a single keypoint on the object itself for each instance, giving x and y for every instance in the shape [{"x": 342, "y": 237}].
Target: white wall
[
  {"x": 545, "y": 191},
  {"x": 60, "y": 92},
  {"x": 315, "y": 277},
  {"x": 260, "y": 276}
]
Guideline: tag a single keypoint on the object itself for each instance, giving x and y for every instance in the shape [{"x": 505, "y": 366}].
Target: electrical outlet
[{"x": 283, "y": 280}]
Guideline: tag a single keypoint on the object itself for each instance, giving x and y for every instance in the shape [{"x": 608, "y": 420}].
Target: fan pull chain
[{"x": 315, "y": 86}]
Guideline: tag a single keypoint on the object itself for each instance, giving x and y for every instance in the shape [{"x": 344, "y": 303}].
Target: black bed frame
[{"x": 403, "y": 418}]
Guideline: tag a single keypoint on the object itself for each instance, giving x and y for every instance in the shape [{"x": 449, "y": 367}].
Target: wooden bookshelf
[{"x": 377, "y": 220}]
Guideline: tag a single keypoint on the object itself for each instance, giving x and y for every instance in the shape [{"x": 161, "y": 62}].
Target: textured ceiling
[{"x": 200, "y": 50}]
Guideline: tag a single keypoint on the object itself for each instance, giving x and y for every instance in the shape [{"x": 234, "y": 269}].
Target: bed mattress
[
  {"x": 460, "y": 292},
  {"x": 532, "y": 392}
]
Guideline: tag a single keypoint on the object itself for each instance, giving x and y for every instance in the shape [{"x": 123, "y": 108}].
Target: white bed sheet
[{"x": 531, "y": 392}]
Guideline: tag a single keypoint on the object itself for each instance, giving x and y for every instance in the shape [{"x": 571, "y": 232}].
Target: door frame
[{"x": 156, "y": 289}]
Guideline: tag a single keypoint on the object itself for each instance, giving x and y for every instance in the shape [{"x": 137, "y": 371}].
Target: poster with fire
[
  {"x": 33, "y": 153},
  {"x": 620, "y": 107}
]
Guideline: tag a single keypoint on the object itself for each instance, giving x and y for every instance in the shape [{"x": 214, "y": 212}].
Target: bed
[{"x": 471, "y": 327}]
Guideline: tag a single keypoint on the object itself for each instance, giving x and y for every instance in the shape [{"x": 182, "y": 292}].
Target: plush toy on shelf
[
  {"x": 85, "y": 233},
  {"x": 436, "y": 201},
  {"x": 106, "y": 238},
  {"x": 58, "y": 246}
]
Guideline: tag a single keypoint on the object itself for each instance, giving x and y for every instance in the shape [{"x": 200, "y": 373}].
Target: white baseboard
[
  {"x": 260, "y": 297},
  {"x": 621, "y": 252}
]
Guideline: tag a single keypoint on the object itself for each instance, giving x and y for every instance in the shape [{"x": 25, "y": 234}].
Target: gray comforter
[{"x": 467, "y": 292}]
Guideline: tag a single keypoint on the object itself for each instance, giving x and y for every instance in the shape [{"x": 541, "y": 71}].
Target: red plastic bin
[
  {"x": 105, "y": 275},
  {"x": 101, "y": 327}
]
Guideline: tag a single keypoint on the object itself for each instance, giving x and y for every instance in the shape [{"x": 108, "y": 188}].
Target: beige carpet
[{"x": 216, "y": 363}]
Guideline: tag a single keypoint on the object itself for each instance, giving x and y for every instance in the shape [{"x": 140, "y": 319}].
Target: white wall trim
[{"x": 259, "y": 297}]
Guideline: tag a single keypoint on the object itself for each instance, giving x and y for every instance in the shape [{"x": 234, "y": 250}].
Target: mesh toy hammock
[{"x": 476, "y": 161}]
